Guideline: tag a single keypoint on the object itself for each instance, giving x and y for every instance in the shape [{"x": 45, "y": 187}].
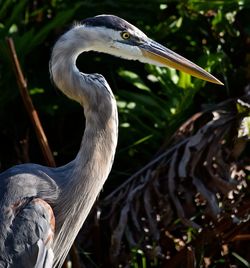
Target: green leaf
[
  {"x": 60, "y": 19},
  {"x": 4, "y": 8},
  {"x": 185, "y": 80},
  {"x": 35, "y": 91},
  {"x": 241, "y": 259},
  {"x": 242, "y": 107},
  {"x": 14, "y": 15},
  {"x": 134, "y": 79}
]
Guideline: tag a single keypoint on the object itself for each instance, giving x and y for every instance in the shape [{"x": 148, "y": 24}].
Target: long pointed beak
[{"x": 163, "y": 56}]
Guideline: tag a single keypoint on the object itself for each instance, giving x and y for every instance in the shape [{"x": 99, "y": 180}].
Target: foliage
[
  {"x": 152, "y": 102},
  {"x": 35, "y": 26}
]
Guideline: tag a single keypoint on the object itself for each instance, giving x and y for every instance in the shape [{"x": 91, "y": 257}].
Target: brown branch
[
  {"x": 241, "y": 237},
  {"x": 22, "y": 84}
]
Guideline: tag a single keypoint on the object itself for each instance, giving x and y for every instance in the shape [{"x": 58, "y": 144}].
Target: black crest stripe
[{"x": 108, "y": 21}]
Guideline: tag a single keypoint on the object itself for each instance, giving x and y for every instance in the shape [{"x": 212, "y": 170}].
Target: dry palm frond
[{"x": 194, "y": 182}]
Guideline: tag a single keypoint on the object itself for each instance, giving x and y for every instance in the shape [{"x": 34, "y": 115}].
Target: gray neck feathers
[{"x": 86, "y": 174}]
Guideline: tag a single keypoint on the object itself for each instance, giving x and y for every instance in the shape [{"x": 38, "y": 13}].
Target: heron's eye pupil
[{"x": 125, "y": 35}]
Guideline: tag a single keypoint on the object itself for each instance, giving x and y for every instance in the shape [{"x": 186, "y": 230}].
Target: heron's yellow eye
[{"x": 125, "y": 35}]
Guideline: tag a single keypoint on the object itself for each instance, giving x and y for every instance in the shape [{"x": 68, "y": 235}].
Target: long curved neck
[
  {"x": 87, "y": 173},
  {"x": 63, "y": 68}
]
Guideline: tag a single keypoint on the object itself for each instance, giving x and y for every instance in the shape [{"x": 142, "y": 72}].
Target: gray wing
[{"x": 27, "y": 234}]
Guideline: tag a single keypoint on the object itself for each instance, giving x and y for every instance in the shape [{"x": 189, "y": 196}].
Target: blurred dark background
[{"x": 152, "y": 102}]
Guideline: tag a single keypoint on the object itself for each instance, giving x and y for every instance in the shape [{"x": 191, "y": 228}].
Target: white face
[{"x": 110, "y": 41}]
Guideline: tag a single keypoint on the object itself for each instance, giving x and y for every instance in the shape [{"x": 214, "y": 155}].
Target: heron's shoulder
[
  {"x": 29, "y": 180},
  {"x": 23, "y": 170}
]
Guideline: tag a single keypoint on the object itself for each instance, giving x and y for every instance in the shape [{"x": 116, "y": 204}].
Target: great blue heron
[{"x": 42, "y": 208}]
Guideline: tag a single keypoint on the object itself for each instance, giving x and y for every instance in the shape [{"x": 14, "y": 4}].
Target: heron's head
[{"x": 113, "y": 35}]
